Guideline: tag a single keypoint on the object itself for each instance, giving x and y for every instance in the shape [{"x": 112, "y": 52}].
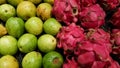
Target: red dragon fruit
[
  {"x": 92, "y": 16},
  {"x": 70, "y": 63},
  {"x": 102, "y": 64},
  {"x": 66, "y": 10},
  {"x": 115, "y": 19},
  {"x": 92, "y": 55},
  {"x": 94, "y": 52},
  {"x": 116, "y": 36},
  {"x": 99, "y": 36},
  {"x": 116, "y": 42},
  {"x": 114, "y": 64},
  {"x": 86, "y": 3},
  {"x": 109, "y": 4},
  {"x": 69, "y": 37}
]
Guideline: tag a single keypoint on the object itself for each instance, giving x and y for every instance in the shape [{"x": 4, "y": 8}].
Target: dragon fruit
[
  {"x": 114, "y": 64},
  {"x": 94, "y": 52},
  {"x": 116, "y": 42},
  {"x": 99, "y": 36},
  {"x": 86, "y": 3},
  {"x": 69, "y": 37},
  {"x": 115, "y": 19},
  {"x": 92, "y": 55},
  {"x": 109, "y": 4},
  {"x": 66, "y": 10},
  {"x": 92, "y": 16},
  {"x": 70, "y": 63},
  {"x": 102, "y": 64},
  {"x": 116, "y": 36}
]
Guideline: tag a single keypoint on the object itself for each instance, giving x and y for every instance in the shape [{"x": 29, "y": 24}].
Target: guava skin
[
  {"x": 6, "y": 11},
  {"x": 52, "y": 59},
  {"x": 8, "y": 45},
  {"x": 32, "y": 60},
  {"x": 15, "y": 26},
  {"x": 47, "y": 43},
  {"x": 26, "y": 9},
  {"x": 9, "y": 61},
  {"x": 34, "y": 25},
  {"x": 44, "y": 11},
  {"x": 27, "y": 43}
]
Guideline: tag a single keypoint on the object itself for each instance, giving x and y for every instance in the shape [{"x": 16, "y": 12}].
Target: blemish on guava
[
  {"x": 55, "y": 60},
  {"x": 6, "y": 11},
  {"x": 52, "y": 40}
]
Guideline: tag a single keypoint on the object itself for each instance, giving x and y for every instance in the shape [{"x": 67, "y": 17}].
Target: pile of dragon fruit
[{"x": 90, "y": 36}]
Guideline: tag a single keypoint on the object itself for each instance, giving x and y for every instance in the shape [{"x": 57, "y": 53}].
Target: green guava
[
  {"x": 6, "y": 11},
  {"x": 27, "y": 43},
  {"x": 34, "y": 25},
  {"x": 44, "y": 11},
  {"x": 52, "y": 59},
  {"x": 14, "y": 2},
  {"x": 51, "y": 26},
  {"x": 8, "y": 61},
  {"x": 2, "y": 2},
  {"x": 47, "y": 43},
  {"x": 32, "y": 60},
  {"x": 15, "y": 26},
  {"x": 26, "y": 9},
  {"x": 8, "y": 45},
  {"x": 35, "y": 1}
]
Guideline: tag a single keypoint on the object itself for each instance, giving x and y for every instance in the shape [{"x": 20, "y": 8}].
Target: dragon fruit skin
[
  {"x": 66, "y": 10},
  {"x": 92, "y": 16},
  {"x": 114, "y": 64},
  {"x": 102, "y": 64},
  {"x": 69, "y": 37},
  {"x": 86, "y": 3},
  {"x": 99, "y": 64},
  {"x": 116, "y": 36},
  {"x": 99, "y": 36},
  {"x": 115, "y": 19},
  {"x": 96, "y": 56},
  {"x": 94, "y": 52},
  {"x": 109, "y": 4},
  {"x": 70, "y": 63}
]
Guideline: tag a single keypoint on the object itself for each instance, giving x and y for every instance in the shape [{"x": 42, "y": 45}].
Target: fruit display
[{"x": 59, "y": 34}]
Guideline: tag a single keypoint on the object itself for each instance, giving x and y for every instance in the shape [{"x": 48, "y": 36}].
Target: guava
[
  {"x": 49, "y": 1},
  {"x": 34, "y": 25},
  {"x": 3, "y": 30},
  {"x": 47, "y": 43},
  {"x": 15, "y": 26},
  {"x": 52, "y": 59},
  {"x": 32, "y": 60},
  {"x": 14, "y": 2},
  {"x": 27, "y": 43},
  {"x": 8, "y": 61},
  {"x": 26, "y": 9},
  {"x": 51, "y": 26},
  {"x": 44, "y": 11},
  {"x": 6, "y": 11},
  {"x": 2, "y": 2},
  {"x": 8, "y": 45},
  {"x": 35, "y": 1}
]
